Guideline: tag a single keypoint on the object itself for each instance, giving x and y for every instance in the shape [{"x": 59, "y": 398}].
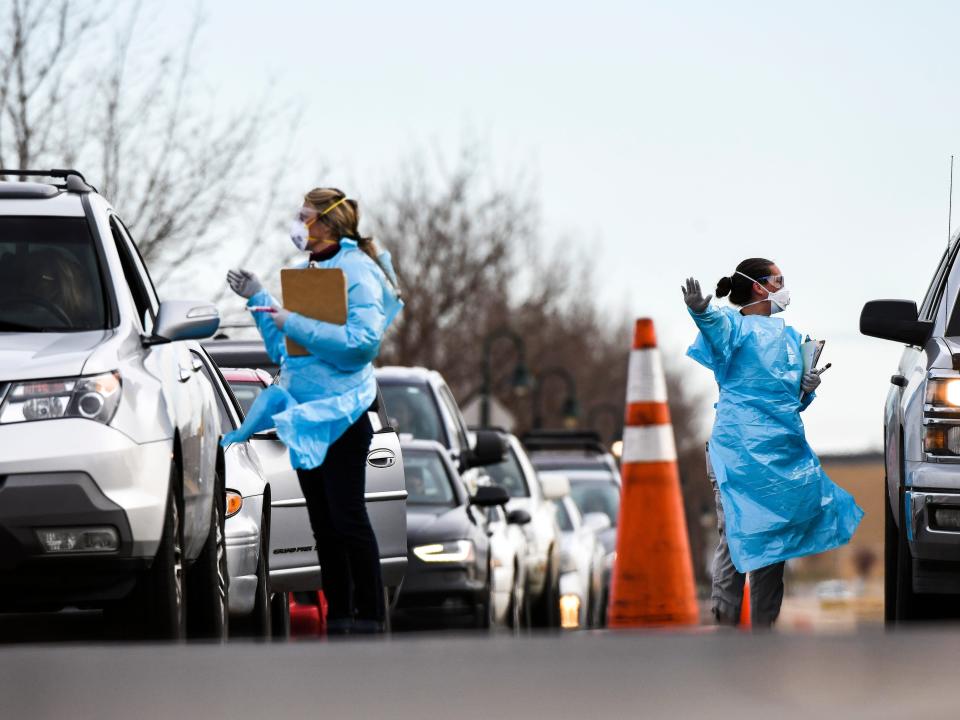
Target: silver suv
[
  {"x": 922, "y": 447},
  {"x": 111, "y": 489}
]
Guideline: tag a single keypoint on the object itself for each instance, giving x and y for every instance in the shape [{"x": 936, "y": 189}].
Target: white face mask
[
  {"x": 778, "y": 300},
  {"x": 299, "y": 233}
]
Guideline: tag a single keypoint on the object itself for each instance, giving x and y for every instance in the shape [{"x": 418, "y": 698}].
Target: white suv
[{"x": 111, "y": 491}]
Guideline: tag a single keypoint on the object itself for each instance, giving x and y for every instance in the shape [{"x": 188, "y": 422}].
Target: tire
[
  {"x": 516, "y": 602},
  {"x": 157, "y": 607},
  {"x": 208, "y": 582},
  {"x": 891, "y": 541},
  {"x": 483, "y": 614},
  {"x": 387, "y": 622},
  {"x": 258, "y": 623},
  {"x": 280, "y": 616},
  {"x": 546, "y": 612}
]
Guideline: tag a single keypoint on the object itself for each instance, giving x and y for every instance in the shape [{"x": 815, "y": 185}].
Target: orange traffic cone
[
  {"x": 745, "y": 606},
  {"x": 653, "y": 574}
]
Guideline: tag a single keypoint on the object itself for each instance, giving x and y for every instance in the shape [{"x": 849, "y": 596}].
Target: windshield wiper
[{"x": 20, "y": 327}]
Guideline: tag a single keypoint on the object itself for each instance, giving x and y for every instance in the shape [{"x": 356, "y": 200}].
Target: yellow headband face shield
[{"x": 308, "y": 215}]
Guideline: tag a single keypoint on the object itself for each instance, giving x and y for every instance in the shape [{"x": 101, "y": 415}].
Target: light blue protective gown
[
  {"x": 319, "y": 395},
  {"x": 778, "y": 501}
]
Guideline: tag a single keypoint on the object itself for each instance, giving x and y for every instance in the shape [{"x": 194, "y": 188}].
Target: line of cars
[{"x": 116, "y": 494}]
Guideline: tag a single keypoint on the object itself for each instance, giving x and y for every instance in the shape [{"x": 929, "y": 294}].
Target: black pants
[{"x": 346, "y": 545}]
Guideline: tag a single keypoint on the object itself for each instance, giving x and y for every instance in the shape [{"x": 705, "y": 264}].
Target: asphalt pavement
[{"x": 588, "y": 676}]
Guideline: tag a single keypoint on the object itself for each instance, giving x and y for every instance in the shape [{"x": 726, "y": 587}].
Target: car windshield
[
  {"x": 563, "y": 517},
  {"x": 509, "y": 476},
  {"x": 427, "y": 480},
  {"x": 246, "y": 392},
  {"x": 412, "y": 411},
  {"x": 50, "y": 278},
  {"x": 596, "y": 496}
]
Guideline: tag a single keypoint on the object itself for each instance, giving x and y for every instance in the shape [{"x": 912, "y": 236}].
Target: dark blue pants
[{"x": 346, "y": 545}]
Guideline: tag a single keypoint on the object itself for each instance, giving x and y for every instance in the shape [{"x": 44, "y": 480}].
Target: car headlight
[
  {"x": 457, "y": 551},
  {"x": 943, "y": 392},
  {"x": 234, "y": 502},
  {"x": 96, "y": 397}
]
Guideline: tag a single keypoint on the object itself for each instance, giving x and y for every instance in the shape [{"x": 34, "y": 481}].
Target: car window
[
  {"x": 446, "y": 397},
  {"x": 227, "y": 423},
  {"x": 563, "y": 517},
  {"x": 246, "y": 392},
  {"x": 50, "y": 276},
  {"x": 931, "y": 304},
  {"x": 413, "y": 411},
  {"x": 509, "y": 476},
  {"x": 134, "y": 278},
  {"x": 141, "y": 265},
  {"x": 596, "y": 496},
  {"x": 428, "y": 482}
]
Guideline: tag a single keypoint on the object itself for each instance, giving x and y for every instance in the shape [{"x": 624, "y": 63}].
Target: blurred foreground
[{"x": 650, "y": 675}]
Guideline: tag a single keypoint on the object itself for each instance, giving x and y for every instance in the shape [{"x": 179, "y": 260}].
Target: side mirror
[
  {"x": 518, "y": 517},
  {"x": 596, "y": 521},
  {"x": 270, "y": 434},
  {"x": 489, "y": 449},
  {"x": 895, "y": 320},
  {"x": 554, "y": 485},
  {"x": 184, "y": 320},
  {"x": 490, "y": 496}
]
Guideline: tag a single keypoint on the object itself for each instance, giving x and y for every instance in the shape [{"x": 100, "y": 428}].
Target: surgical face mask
[
  {"x": 778, "y": 299},
  {"x": 299, "y": 232}
]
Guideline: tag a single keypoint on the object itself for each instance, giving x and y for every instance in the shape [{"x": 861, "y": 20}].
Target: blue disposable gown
[
  {"x": 319, "y": 395},
  {"x": 778, "y": 501}
]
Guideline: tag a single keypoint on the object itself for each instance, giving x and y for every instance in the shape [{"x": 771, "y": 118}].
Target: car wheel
[
  {"x": 258, "y": 623},
  {"x": 547, "y": 610},
  {"x": 280, "y": 616},
  {"x": 516, "y": 602},
  {"x": 208, "y": 580},
  {"x": 891, "y": 548},
  {"x": 157, "y": 608}
]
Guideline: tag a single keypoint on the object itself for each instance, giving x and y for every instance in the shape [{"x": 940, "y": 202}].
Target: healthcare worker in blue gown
[
  {"x": 774, "y": 501},
  {"x": 319, "y": 404}
]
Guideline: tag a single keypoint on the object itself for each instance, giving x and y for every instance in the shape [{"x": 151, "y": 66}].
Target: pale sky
[{"x": 667, "y": 138}]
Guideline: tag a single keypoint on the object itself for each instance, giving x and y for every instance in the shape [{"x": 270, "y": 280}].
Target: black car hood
[{"x": 427, "y": 524}]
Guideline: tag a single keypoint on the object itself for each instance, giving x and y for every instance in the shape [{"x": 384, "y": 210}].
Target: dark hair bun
[{"x": 724, "y": 287}]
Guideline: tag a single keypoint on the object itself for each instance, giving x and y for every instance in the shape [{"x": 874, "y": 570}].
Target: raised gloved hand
[
  {"x": 280, "y": 317},
  {"x": 811, "y": 381},
  {"x": 244, "y": 283},
  {"x": 693, "y": 297}
]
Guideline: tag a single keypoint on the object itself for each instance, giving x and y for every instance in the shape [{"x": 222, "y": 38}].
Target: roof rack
[
  {"x": 74, "y": 181},
  {"x": 563, "y": 440}
]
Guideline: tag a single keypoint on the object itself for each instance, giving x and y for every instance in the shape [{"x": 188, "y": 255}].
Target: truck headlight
[
  {"x": 941, "y": 439},
  {"x": 94, "y": 398},
  {"x": 943, "y": 392},
  {"x": 457, "y": 551}
]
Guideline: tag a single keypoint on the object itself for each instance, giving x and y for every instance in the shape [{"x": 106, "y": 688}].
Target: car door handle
[
  {"x": 899, "y": 381},
  {"x": 185, "y": 374},
  {"x": 382, "y": 458}
]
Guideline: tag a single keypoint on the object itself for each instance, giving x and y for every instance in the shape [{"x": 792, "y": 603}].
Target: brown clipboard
[{"x": 317, "y": 293}]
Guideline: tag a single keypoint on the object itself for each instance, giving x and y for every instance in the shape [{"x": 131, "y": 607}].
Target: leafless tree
[{"x": 137, "y": 116}]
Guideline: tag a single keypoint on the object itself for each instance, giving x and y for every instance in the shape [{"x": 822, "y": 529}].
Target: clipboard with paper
[
  {"x": 810, "y": 352},
  {"x": 316, "y": 293}
]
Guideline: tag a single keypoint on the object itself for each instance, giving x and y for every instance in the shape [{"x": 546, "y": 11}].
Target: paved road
[{"x": 584, "y": 676}]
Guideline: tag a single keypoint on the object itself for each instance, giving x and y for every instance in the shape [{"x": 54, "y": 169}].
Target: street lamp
[
  {"x": 521, "y": 376},
  {"x": 570, "y": 409}
]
